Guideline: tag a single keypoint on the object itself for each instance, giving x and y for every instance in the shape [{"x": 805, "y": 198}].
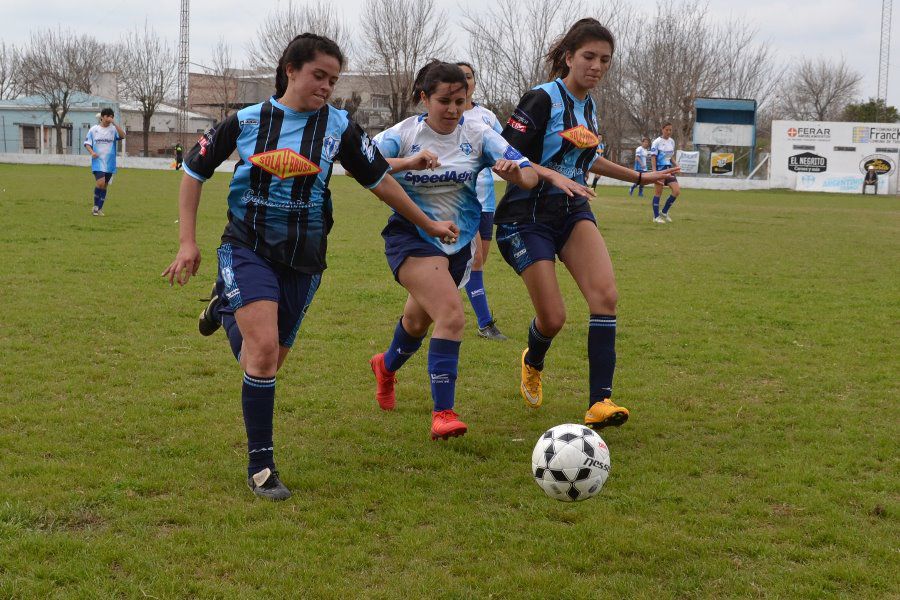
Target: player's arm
[
  {"x": 422, "y": 161},
  {"x": 187, "y": 261},
  {"x": 608, "y": 168},
  {"x": 390, "y": 192},
  {"x": 506, "y": 161},
  {"x": 89, "y": 144},
  {"x": 119, "y": 130}
]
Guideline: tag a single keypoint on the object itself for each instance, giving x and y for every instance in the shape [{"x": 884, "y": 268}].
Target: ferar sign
[{"x": 721, "y": 163}]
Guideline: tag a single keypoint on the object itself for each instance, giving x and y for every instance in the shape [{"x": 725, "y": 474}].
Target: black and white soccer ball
[{"x": 570, "y": 463}]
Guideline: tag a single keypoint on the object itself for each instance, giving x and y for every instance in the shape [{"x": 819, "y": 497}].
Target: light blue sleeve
[
  {"x": 89, "y": 140},
  {"x": 495, "y": 147},
  {"x": 388, "y": 143},
  {"x": 496, "y": 126}
]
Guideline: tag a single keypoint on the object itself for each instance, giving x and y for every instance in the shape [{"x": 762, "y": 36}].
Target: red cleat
[
  {"x": 384, "y": 380},
  {"x": 445, "y": 424}
]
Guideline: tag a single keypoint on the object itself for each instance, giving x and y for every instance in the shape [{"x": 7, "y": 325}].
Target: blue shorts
[
  {"x": 486, "y": 226},
  {"x": 245, "y": 277},
  {"x": 402, "y": 240},
  {"x": 525, "y": 243},
  {"x": 102, "y": 175},
  {"x": 670, "y": 178}
]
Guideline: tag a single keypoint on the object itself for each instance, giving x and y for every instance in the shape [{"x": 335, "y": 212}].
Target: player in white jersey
[
  {"x": 475, "y": 290},
  {"x": 662, "y": 156},
  {"x": 641, "y": 163},
  {"x": 101, "y": 144},
  {"x": 436, "y": 158}
]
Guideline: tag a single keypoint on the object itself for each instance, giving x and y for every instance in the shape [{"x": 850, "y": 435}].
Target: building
[
  {"x": 26, "y": 124},
  {"x": 162, "y": 134}
]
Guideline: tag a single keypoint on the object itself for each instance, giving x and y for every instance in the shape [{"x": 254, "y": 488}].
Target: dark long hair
[
  {"x": 300, "y": 51},
  {"x": 582, "y": 32},
  {"x": 434, "y": 73}
]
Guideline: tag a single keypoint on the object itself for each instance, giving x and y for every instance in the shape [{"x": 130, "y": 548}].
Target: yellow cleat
[
  {"x": 531, "y": 384},
  {"x": 604, "y": 414}
]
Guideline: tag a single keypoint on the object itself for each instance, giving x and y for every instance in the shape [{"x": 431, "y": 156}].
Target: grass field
[{"x": 758, "y": 353}]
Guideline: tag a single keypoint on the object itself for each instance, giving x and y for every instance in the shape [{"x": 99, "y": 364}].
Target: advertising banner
[
  {"x": 842, "y": 184},
  {"x": 721, "y": 163},
  {"x": 688, "y": 161}
]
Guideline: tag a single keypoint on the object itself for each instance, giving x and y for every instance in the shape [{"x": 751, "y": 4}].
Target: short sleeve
[
  {"x": 213, "y": 148},
  {"x": 527, "y": 125},
  {"x": 359, "y": 155},
  {"x": 388, "y": 143},
  {"x": 89, "y": 140},
  {"x": 495, "y": 147}
]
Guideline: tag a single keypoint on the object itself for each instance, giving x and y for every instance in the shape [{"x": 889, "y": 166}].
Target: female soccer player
[
  {"x": 279, "y": 215},
  {"x": 101, "y": 144},
  {"x": 555, "y": 126},
  {"x": 487, "y": 325},
  {"x": 641, "y": 163},
  {"x": 662, "y": 153},
  {"x": 436, "y": 157}
]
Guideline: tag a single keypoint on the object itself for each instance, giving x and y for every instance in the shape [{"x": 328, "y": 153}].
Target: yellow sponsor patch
[
  {"x": 284, "y": 163},
  {"x": 581, "y": 137}
]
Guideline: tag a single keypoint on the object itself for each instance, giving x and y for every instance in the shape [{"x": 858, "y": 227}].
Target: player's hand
[
  {"x": 94, "y": 155},
  {"x": 654, "y": 176},
  {"x": 572, "y": 188},
  {"x": 424, "y": 160},
  {"x": 186, "y": 263},
  {"x": 506, "y": 168},
  {"x": 446, "y": 231}
]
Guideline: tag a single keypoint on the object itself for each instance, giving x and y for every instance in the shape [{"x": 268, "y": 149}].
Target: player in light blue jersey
[
  {"x": 475, "y": 290},
  {"x": 436, "y": 157},
  {"x": 279, "y": 214},
  {"x": 641, "y": 163},
  {"x": 662, "y": 156},
  {"x": 101, "y": 144}
]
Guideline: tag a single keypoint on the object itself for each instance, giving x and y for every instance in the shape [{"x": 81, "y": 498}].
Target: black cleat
[
  {"x": 266, "y": 484},
  {"x": 209, "y": 322},
  {"x": 490, "y": 332}
]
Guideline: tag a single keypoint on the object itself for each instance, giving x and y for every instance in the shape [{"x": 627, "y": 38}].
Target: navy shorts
[
  {"x": 670, "y": 178},
  {"x": 245, "y": 277},
  {"x": 486, "y": 226},
  {"x": 102, "y": 175},
  {"x": 402, "y": 240},
  {"x": 525, "y": 243}
]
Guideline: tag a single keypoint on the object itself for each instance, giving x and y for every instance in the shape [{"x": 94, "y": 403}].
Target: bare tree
[
  {"x": 147, "y": 73},
  {"x": 10, "y": 72},
  {"x": 351, "y": 104},
  {"x": 282, "y": 25},
  {"x": 818, "y": 90},
  {"x": 511, "y": 64},
  {"x": 225, "y": 87},
  {"x": 401, "y": 35},
  {"x": 57, "y": 64},
  {"x": 748, "y": 69}
]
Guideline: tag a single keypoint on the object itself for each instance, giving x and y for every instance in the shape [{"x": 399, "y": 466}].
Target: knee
[
  {"x": 605, "y": 300},
  {"x": 416, "y": 327},
  {"x": 551, "y": 322},
  {"x": 453, "y": 320},
  {"x": 260, "y": 358},
  {"x": 101, "y": 184}
]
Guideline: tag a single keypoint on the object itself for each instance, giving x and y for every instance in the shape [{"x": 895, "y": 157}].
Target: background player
[
  {"x": 101, "y": 144},
  {"x": 279, "y": 215},
  {"x": 641, "y": 163},
  {"x": 487, "y": 325},
  {"x": 555, "y": 126},
  {"x": 449, "y": 151},
  {"x": 662, "y": 157}
]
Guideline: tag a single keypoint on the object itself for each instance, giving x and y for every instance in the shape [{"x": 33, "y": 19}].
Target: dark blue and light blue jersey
[
  {"x": 447, "y": 193},
  {"x": 103, "y": 141},
  {"x": 552, "y": 127},
  {"x": 279, "y": 204}
]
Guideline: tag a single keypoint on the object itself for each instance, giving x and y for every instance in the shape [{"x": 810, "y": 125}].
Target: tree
[
  {"x": 10, "y": 72},
  {"x": 57, "y": 64},
  {"x": 873, "y": 111},
  {"x": 225, "y": 88},
  {"x": 401, "y": 35},
  {"x": 147, "y": 73},
  {"x": 351, "y": 104},
  {"x": 282, "y": 26},
  {"x": 818, "y": 90}
]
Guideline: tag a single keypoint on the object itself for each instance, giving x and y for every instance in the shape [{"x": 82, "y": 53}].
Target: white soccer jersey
[
  {"x": 485, "y": 184},
  {"x": 103, "y": 141},
  {"x": 664, "y": 149},
  {"x": 448, "y": 192},
  {"x": 641, "y": 158}
]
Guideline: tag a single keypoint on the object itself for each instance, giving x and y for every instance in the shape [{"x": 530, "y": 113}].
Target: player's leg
[
  {"x": 430, "y": 282},
  {"x": 587, "y": 259},
  {"x": 675, "y": 192},
  {"x": 487, "y": 327},
  {"x": 408, "y": 335},
  {"x": 99, "y": 187},
  {"x": 657, "y": 192}
]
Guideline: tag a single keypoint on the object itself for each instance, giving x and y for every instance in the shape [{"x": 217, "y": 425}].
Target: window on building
[
  {"x": 29, "y": 137},
  {"x": 380, "y": 101}
]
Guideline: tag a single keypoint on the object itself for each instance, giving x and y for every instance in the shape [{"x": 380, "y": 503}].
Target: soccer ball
[{"x": 570, "y": 463}]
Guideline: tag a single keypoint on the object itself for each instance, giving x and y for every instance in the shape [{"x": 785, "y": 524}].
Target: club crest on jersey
[
  {"x": 284, "y": 163},
  {"x": 415, "y": 148},
  {"x": 330, "y": 147},
  {"x": 581, "y": 137},
  {"x": 466, "y": 148}
]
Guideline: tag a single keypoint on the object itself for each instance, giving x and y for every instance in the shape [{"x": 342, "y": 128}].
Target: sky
[{"x": 831, "y": 29}]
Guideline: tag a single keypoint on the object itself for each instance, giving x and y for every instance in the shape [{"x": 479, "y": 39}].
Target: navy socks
[
  {"x": 478, "y": 298},
  {"x": 538, "y": 344},
  {"x": 402, "y": 347},
  {"x": 258, "y": 403},
  {"x": 601, "y": 356},
  {"x": 443, "y": 360}
]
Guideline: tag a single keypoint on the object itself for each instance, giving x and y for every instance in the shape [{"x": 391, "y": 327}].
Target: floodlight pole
[
  {"x": 884, "y": 53},
  {"x": 184, "y": 48}
]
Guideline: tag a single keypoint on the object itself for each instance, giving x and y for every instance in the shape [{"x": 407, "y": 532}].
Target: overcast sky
[{"x": 826, "y": 28}]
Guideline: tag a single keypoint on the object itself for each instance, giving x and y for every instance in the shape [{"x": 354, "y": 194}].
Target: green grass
[{"x": 758, "y": 353}]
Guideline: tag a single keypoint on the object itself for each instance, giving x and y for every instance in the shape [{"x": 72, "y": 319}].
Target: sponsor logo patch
[
  {"x": 517, "y": 125},
  {"x": 284, "y": 163},
  {"x": 512, "y": 154},
  {"x": 807, "y": 162},
  {"x": 581, "y": 137}
]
